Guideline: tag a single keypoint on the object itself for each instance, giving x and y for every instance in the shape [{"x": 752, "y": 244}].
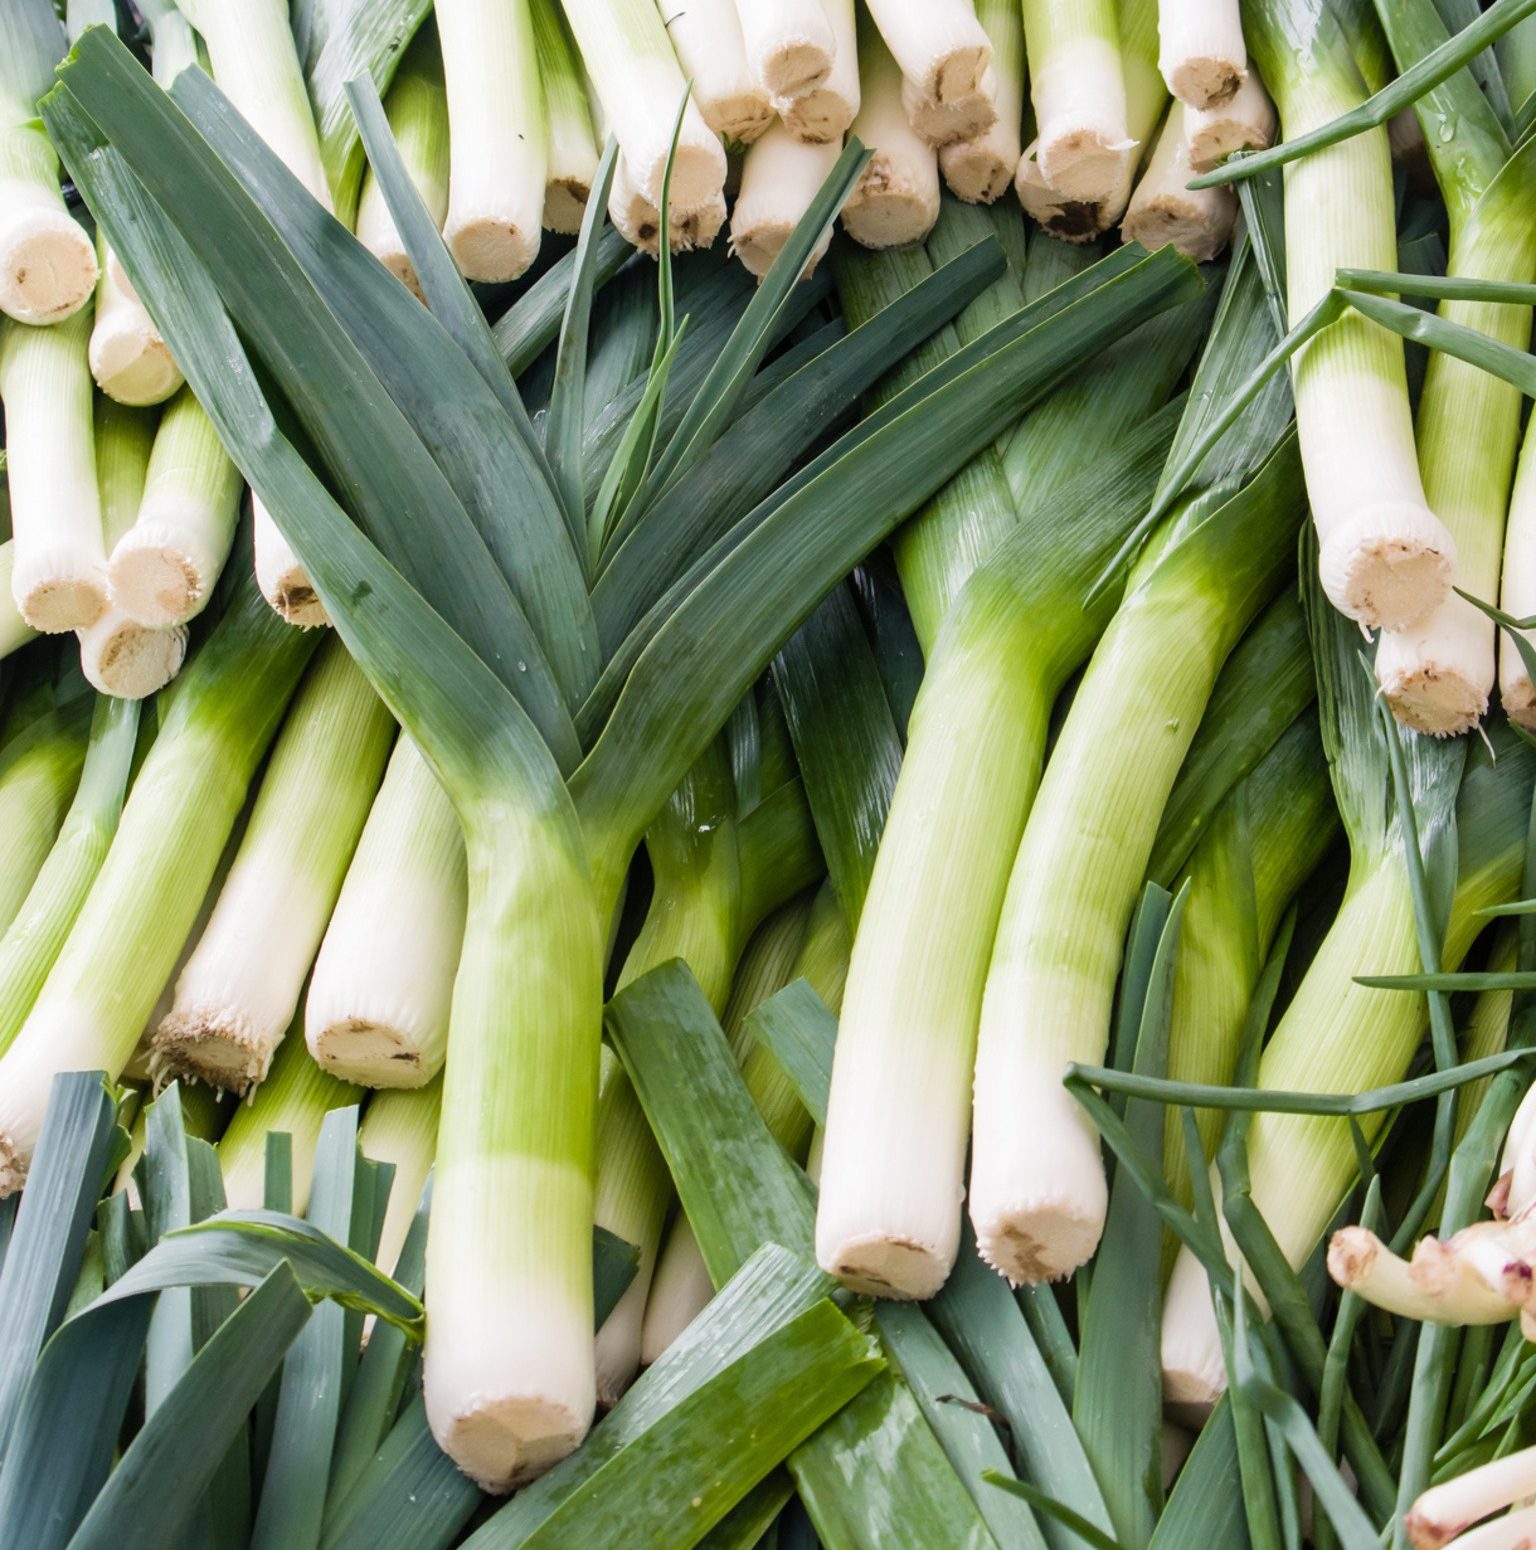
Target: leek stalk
[
  {"x": 39, "y": 768},
  {"x": 1163, "y": 208},
  {"x": 400, "y": 1128},
  {"x": 1077, "y": 86},
  {"x": 979, "y": 168},
  {"x": 790, "y": 44},
  {"x": 571, "y": 167},
  {"x": 238, "y": 991},
  {"x": 822, "y": 114},
  {"x": 940, "y": 47},
  {"x": 128, "y": 357},
  {"x": 780, "y": 176},
  {"x": 706, "y": 36},
  {"x": 1244, "y": 122},
  {"x": 1201, "y": 53}
]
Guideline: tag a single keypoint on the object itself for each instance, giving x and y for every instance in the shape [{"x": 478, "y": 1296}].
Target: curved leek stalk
[
  {"x": 401, "y": 1128},
  {"x": 1385, "y": 558},
  {"x": 45, "y": 385},
  {"x": 184, "y": 801},
  {"x": 379, "y": 997},
  {"x": 238, "y": 991},
  {"x": 293, "y": 1101},
  {"x": 162, "y": 569}
]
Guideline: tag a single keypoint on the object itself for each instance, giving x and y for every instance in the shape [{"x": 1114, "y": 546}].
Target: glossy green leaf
[{"x": 796, "y": 1025}]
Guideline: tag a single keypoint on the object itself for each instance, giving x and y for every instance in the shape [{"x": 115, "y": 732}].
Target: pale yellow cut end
[
  {"x": 133, "y": 364},
  {"x": 506, "y": 1443},
  {"x": 565, "y": 203},
  {"x": 795, "y": 67},
  {"x": 369, "y": 1053},
  {"x": 203, "y": 1047},
  {"x": 492, "y": 249},
  {"x": 879, "y": 1265},
  {"x": 1435, "y": 698},
  {"x": 47, "y": 267},
  {"x": 1040, "y": 1242},
  {"x": 63, "y": 603},
  {"x": 1206, "y": 82}
]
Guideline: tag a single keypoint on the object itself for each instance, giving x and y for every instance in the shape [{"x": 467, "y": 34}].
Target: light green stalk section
[
  {"x": 1438, "y": 673},
  {"x": 163, "y": 568},
  {"x": 568, "y": 117},
  {"x": 39, "y": 769},
  {"x": 417, "y": 106},
  {"x": 184, "y": 802},
  {"x": 293, "y": 1100},
  {"x": 240, "y": 988},
  {"x": 401, "y": 1128},
  {"x": 15, "y": 632},
  {"x": 123, "y": 437},
  {"x": 1264, "y": 841},
  {"x": 1038, "y": 1193},
  {"x": 1384, "y": 556},
  {"x": 34, "y": 937},
  {"x": 379, "y": 998},
  {"x": 47, "y": 262}
]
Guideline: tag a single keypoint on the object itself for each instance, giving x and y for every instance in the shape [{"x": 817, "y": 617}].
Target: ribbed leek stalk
[
  {"x": 42, "y": 923},
  {"x": 47, "y": 262},
  {"x": 57, "y": 575},
  {"x": 824, "y": 113},
  {"x": 706, "y": 37},
  {"x": 897, "y": 198},
  {"x": 780, "y": 176},
  {"x": 1337, "y": 1036},
  {"x": 379, "y": 997},
  {"x": 185, "y": 798},
  {"x": 1264, "y": 842},
  {"x": 790, "y": 44},
  {"x": 682, "y": 1286},
  {"x": 417, "y": 106},
  {"x": 1517, "y": 586},
  {"x": 293, "y": 1101},
  {"x": 128, "y": 357},
  {"x": 941, "y": 47},
  {"x": 39, "y": 770},
  {"x": 238, "y": 991},
  {"x": 1078, "y": 91},
  {"x": 571, "y": 164},
  {"x": 1244, "y": 122},
  {"x": 162, "y": 569},
  {"x": 1038, "y": 1194},
  {"x": 1197, "y": 221},
  {"x": 1437, "y": 673},
  {"x": 1385, "y": 558},
  {"x": 627, "y": 53},
  {"x": 118, "y": 655},
  {"x": 401, "y": 1128},
  {"x": 498, "y": 141},
  {"x": 1202, "y": 55},
  {"x": 981, "y": 167},
  {"x": 253, "y": 59}
]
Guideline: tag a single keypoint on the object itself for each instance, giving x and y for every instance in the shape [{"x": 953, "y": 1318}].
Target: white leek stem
[
  {"x": 897, "y": 198},
  {"x": 1361, "y": 1263},
  {"x": 1518, "y": 1163},
  {"x": 961, "y": 118},
  {"x": 282, "y": 580},
  {"x": 417, "y": 106},
  {"x": 1444, "y": 1511},
  {"x": 238, "y": 990},
  {"x": 47, "y": 261},
  {"x": 790, "y": 44},
  {"x": 1202, "y": 56},
  {"x": 498, "y": 143},
  {"x": 58, "y": 578},
  {"x": 706, "y": 36},
  {"x": 162, "y": 570},
  {"x": 1084, "y": 144},
  {"x": 1517, "y": 595},
  {"x": 629, "y": 57},
  {"x": 1244, "y": 122},
  {"x": 780, "y": 176},
  {"x": 1077, "y": 221},
  {"x": 680, "y": 1290},
  {"x": 979, "y": 169},
  {"x": 1198, "y": 222},
  {"x": 824, "y": 113},
  {"x": 129, "y": 359},
  {"x": 401, "y": 1128},
  {"x": 15, "y": 632},
  {"x": 378, "y": 1003},
  {"x": 639, "y": 221},
  {"x": 939, "y": 46},
  {"x": 572, "y": 162}
]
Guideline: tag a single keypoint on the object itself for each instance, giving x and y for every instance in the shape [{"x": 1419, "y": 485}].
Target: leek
[
  {"x": 980, "y": 167},
  {"x": 47, "y": 261},
  {"x": 498, "y": 143},
  {"x": 117, "y": 654},
  {"x": 706, "y": 36},
  {"x": 1438, "y": 673},
  {"x": 638, "y": 220},
  {"x": 184, "y": 801},
  {"x": 1517, "y": 586},
  {"x": 1038, "y": 1193},
  {"x": 378, "y": 1002},
  {"x": 1078, "y": 89},
  {"x": 780, "y": 176},
  {"x": 897, "y": 197},
  {"x": 940, "y": 47},
  {"x": 417, "y": 105},
  {"x": 823, "y": 114},
  {"x": 1202, "y": 55},
  {"x": 961, "y": 118},
  {"x": 571, "y": 168},
  {"x": 293, "y": 1101},
  {"x": 1163, "y": 208},
  {"x": 45, "y": 385},
  {"x": 15, "y": 632},
  {"x": 238, "y": 991},
  {"x": 635, "y": 73},
  {"x": 400, "y": 1128},
  {"x": 1244, "y": 122},
  {"x": 790, "y": 44},
  {"x": 1385, "y": 558},
  {"x": 128, "y": 357},
  {"x": 162, "y": 569}
]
